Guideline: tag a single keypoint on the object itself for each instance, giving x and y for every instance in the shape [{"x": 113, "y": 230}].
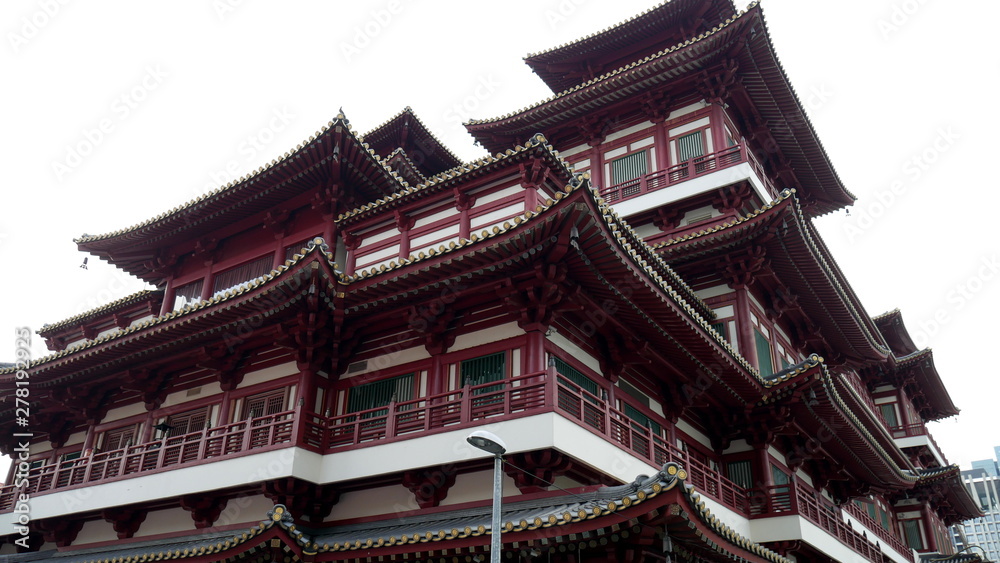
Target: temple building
[{"x": 629, "y": 290}]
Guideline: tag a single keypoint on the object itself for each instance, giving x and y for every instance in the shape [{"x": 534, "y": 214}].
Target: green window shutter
[
  {"x": 628, "y": 167},
  {"x": 764, "y": 362},
  {"x": 741, "y": 473},
  {"x": 642, "y": 420},
  {"x": 911, "y": 529},
  {"x": 721, "y": 329},
  {"x": 690, "y": 146},
  {"x": 574, "y": 375},
  {"x": 885, "y": 518},
  {"x": 889, "y": 414},
  {"x": 779, "y": 476},
  {"x": 380, "y": 393},
  {"x": 484, "y": 369}
]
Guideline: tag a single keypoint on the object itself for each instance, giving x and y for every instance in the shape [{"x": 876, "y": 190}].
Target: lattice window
[
  {"x": 484, "y": 369},
  {"x": 264, "y": 404},
  {"x": 741, "y": 473},
  {"x": 577, "y": 377},
  {"x": 379, "y": 394},
  {"x": 119, "y": 438},
  {"x": 690, "y": 146},
  {"x": 629, "y": 167},
  {"x": 188, "y": 422}
]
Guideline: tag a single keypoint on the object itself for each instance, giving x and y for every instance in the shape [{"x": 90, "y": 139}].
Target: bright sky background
[{"x": 900, "y": 91}]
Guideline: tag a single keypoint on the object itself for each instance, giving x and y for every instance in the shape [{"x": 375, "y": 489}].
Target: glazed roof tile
[
  {"x": 618, "y": 71},
  {"x": 643, "y": 258},
  {"x": 408, "y": 112},
  {"x": 284, "y": 160},
  {"x": 102, "y": 310},
  {"x": 824, "y": 259},
  {"x": 425, "y": 530},
  {"x": 814, "y": 368}
]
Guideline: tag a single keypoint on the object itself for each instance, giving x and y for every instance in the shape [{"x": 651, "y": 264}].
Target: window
[
  {"x": 484, "y": 369},
  {"x": 379, "y": 394},
  {"x": 741, "y": 473},
  {"x": 577, "y": 377},
  {"x": 721, "y": 329},
  {"x": 635, "y": 414},
  {"x": 191, "y": 421},
  {"x": 889, "y": 414},
  {"x": 187, "y": 294},
  {"x": 119, "y": 438},
  {"x": 911, "y": 531},
  {"x": 264, "y": 404},
  {"x": 764, "y": 362},
  {"x": 690, "y": 146},
  {"x": 629, "y": 167},
  {"x": 233, "y": 277}
]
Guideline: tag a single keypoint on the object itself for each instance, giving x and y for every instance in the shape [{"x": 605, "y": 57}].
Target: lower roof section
[{"x": 653, "y": 514}]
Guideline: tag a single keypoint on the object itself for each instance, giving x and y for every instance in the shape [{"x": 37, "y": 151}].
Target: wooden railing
[
  {"x": 793, "y": 499},
  {"x": 239, "y": 438},
  {"x": 527, "y": 395},
  {"x": 594, "y": 413},
  {"x": 693, "y": 168},
  {"x": 867, "y": 521}
]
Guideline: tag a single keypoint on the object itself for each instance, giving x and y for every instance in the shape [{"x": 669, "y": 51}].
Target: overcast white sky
[{"x": 115, "y": 111}]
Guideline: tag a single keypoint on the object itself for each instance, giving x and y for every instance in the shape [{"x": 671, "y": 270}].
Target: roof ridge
[
  {"x": 620, "y": 69},
  {"x": 340, "y": 119},
  {"x": 98, "y": 310},
  {"x": 537, "y": 140}
]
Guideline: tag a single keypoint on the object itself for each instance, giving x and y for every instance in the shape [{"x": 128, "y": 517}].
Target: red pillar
[{"x": 748, "y": 345}]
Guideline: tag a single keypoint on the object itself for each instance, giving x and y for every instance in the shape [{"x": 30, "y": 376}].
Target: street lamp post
[{"x": 491, "y": 443}]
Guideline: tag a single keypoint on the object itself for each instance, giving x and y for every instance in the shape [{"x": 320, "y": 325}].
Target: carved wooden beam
[{"x": 429, "y": 485}]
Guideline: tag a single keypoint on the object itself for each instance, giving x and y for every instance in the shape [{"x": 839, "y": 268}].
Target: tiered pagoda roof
[
  {"x": 333, "y": 158},
  {"x": 656, "y": 29},
  {"x": 763, "y": 95},
  {"x": 406, "y": 133},
  {"x": 635, "y": 514},
  {"x": 790, "y": 260}
]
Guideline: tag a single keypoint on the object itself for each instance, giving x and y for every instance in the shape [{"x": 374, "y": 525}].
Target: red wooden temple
[{"x": 630, "y": 291}]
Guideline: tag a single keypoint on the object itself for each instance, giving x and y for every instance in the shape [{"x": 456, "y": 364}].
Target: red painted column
[
  {"x": 168, "y": 300},
  {"x": 596, "y": 167},
  {"x": 534, "y": 352},
  {"x": 662, "y": 145},
  {"x": 744, "y": 327},
  {"x": 718, "y": 131}
]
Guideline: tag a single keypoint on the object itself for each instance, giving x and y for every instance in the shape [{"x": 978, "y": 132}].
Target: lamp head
[{"x": 488, "y": 442}]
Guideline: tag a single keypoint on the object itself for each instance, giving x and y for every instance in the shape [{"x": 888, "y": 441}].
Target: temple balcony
[
  {"x": 916, "y": 438},
  {"x": 794, "y": 513},
  {"x": 543, "y": 409},
  {"x": 699, "y": 175}
]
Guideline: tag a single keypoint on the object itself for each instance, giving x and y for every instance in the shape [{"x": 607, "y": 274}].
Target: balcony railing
[
  {"x": 693, "y": 168},
  {"x": 518, "y": 397},
  {"x": 239, "y": 438},
  {"x": 793, "y": 499},
  {"x": 867, "y": 521}
]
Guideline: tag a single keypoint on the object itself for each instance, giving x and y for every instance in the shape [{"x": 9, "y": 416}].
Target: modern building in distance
[
  {"x": 984, "y": 486},
  {"x": 629, "y": 290}
]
